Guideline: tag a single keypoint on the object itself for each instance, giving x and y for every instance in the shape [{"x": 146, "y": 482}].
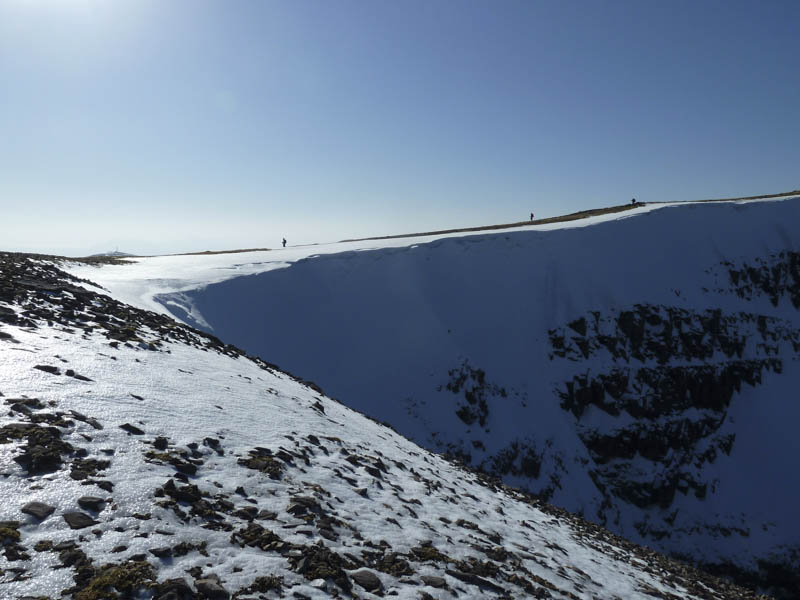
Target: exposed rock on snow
[
  {"x": 79, "y": 520},
  {"x": 640, "y": 370},
  {"x": 40, "y": 510},
  {"x": 262, "y": 499}
]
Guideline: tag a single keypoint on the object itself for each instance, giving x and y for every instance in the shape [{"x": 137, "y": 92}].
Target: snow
[
  {"x": 378, "y": 324},
  {"x": 139, "y": 283},
  {"x": 189, "y": 394}
]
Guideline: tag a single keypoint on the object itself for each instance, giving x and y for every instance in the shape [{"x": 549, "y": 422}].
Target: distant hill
[{"x": 113, "y": 253}]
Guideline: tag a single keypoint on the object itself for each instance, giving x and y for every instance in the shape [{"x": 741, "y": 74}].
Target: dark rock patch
[
  {"x": 128, "y": 579},
  {"x": 434, "y": 581},
  {"x": 319, "y": 562},
  {"x": 131, "y": 429},
  {"x": 91, "y": 503},
  {"x": 173, "y": 589},
  {"x": 9, "y": 542},
  {"x": 471, "y": 382},
  {"x": 263, "y": 585},
  {"x": 40, "y": 510},
  {"x": 79, "y": 520},
  {"x": 44, "y": 449},
  {"x": 162, "y": 552},
  {"x": 83, "y": 468},
  {"x": 367, "y": 580},
  {"x": 261, "y": 459},
  {"x": 211, "y": 589},
  {"x": 475, "y": 580},
  {"x": 256, "y": 536},
  {"x": 89, "y": 420}
]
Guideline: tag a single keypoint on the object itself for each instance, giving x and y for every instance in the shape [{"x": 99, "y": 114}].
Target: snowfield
[
  {"x": 168, "y": 464},
  {"x": 530, "y": 353}
]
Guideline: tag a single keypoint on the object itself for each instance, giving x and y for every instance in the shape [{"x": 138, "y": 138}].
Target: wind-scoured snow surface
[
  {"x": 640, "y": 368},
  {"x": 167, "y": 464}
]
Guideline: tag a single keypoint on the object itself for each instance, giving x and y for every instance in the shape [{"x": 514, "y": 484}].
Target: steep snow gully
[{"x": 639, "y": 369}]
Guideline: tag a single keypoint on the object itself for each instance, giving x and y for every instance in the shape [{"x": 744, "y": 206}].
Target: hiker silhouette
[{"x": 284, "y": 242}]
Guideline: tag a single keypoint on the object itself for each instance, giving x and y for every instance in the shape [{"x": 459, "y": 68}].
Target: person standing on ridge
[
  {"x": 531, "y": 216},
  {"x": 284, "y": 242}
]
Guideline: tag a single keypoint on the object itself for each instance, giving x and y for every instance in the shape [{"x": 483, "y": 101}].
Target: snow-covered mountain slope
[
  {"x": 140, "y": 458},
  {"x": 639, "y": 368}
]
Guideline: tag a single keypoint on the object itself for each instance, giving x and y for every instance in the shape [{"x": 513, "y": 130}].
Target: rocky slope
[
  {"x": 141, "y": 458},
  {"x": 639, "y": 371}
]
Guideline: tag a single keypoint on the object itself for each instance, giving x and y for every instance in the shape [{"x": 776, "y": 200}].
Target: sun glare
[
  {"x": 65, "y": 4},
  {"x": 69, "y": 9}
]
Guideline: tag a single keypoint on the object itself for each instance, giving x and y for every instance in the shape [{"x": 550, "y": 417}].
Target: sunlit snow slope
[
  {"x": 639, "y": 368},
  {"x": 143, "y": 459}
]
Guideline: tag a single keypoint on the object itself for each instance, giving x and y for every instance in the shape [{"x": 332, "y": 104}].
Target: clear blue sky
[{"x": 190, "y": 125}]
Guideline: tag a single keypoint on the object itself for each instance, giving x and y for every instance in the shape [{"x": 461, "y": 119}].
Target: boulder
[
  {"x": 79, "y": 520},
  {"x": 434, "y": 581},
  {"x": 211, "y": 589},
  {"x": 367, "y": 580},
  {"x": 40, "y": 510},
  {"x": 132, "y": 429},
  {"x": 91, "y": 503}
]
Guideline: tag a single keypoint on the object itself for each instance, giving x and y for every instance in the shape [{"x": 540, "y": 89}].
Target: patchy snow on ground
[
  {"x": 452, "y": 339},
  {"x": 168, "y": 464}
]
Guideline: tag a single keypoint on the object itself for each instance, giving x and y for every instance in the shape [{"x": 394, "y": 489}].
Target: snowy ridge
[
  {"x": 529, "y": 353},
  {"x": 144, "y": 459}
]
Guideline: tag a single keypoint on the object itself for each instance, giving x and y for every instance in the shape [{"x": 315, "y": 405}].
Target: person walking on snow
[{"x": 284, "y": 242}]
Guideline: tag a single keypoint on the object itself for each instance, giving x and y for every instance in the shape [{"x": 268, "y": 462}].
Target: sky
[{"x": 190, "y": 125}]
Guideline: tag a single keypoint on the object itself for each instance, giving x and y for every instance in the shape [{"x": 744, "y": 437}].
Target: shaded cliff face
[
  {"x": 665, "y": 378},
  {"x": 674, "y": 373},
  {"x": 144, "y": 459},
  {"x": 647, "y": 383}
]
